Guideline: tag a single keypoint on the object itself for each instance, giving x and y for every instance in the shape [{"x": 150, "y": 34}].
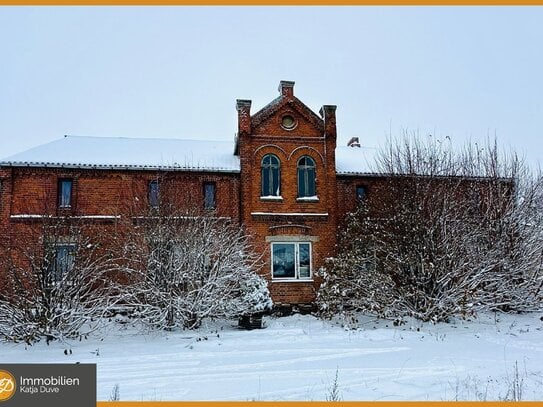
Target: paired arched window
[
  {"x": 271, "y": 176},
  {"x": 306, "y": 177}
]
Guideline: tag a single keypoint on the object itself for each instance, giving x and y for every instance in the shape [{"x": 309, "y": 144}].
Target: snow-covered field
[{"x": 297, "y": 357}]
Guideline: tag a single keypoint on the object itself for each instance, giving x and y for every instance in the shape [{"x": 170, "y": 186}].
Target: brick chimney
[
  {"x": 328, "y": 113},
  {"x": 286, "y": 89},
  {"x": 244, "y": 116}
]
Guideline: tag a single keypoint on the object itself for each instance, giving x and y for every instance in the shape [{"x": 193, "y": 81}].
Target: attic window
[{"x": 288, "y": 122}]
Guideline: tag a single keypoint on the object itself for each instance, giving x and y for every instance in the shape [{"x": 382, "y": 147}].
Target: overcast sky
[{"x": 462, "y": 72}]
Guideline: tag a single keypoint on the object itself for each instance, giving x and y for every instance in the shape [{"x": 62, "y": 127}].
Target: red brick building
[{"x": 284, "y": 178}]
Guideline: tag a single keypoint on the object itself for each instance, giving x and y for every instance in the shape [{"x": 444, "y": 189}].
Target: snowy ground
[{"x": 296, "y": 358}]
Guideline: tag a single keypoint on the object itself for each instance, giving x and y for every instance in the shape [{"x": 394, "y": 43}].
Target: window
[
  {"x": 63, "y": 262},
  {"x": 65, "y": 193},
  {"x": 209, "y": 196},
  {"x": 361, "y": 193},
  {"x": 291, "y": 261},
  {"x": 288, "y": 122},
  {"x": 154, "y": 194},
  {"x": 474, "y": 204},
  {"x": 162, "y": 259},
  {"x": 306, "y": 177},
  {"x": 271, "y": 176}
]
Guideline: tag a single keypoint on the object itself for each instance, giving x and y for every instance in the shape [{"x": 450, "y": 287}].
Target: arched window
[
  {"x": 271, "y": 176},
  {"x": 306, "y": 177}
]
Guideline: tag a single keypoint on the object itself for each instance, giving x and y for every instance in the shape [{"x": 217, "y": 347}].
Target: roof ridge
[{"x": 144, "y": 138}]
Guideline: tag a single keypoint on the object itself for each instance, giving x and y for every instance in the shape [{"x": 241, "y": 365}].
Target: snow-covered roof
[
  {"x": 155, "y": 153},
  {"x": 130, "y": 153},
  {"x": 355, "y": 160}
]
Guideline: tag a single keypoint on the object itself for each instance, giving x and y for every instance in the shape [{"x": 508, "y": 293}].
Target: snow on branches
[
  {"x": 184, "y": 267},
  {"x": 57, "y": 285},
  {"x": 454, "y": 233},
  {"x": 163, "y": 266}
]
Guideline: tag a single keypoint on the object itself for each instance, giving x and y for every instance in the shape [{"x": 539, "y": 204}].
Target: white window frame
[{"x": 296, "y": 277}]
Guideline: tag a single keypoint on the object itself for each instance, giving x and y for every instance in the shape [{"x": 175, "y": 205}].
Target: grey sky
[{"x": 462, "y": 72}]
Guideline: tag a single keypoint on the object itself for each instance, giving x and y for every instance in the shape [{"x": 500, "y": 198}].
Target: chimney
[
  {"x": 328, "y": 113},
  {"x": 286, "y": 89},
  {"x": 353, "y": 142},
  {"x": 244, "y": 116}
]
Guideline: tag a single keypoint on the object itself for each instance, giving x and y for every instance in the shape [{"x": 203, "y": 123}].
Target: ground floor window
[
  {"x": 63, "y": 261},
  {"x": 291, "y": 260}
]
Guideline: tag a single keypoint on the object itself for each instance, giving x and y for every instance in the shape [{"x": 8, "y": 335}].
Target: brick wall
[
  {"x": 115, "y": 192},
  {"x": 112, "y": 193},
  {"x": 289, "y": 218},
  {"x": 102, "y": 202}
]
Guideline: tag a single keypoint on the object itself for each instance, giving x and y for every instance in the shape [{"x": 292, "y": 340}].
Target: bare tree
[
  {"x": 169, "y": 266},
  {"x": 185, "y": 266},
  {"x": 455, "y": 232},
  {"x": 57, "y": 281}
]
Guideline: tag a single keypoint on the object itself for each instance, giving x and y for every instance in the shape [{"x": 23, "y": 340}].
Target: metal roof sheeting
[{"x": 159, "y": 154}]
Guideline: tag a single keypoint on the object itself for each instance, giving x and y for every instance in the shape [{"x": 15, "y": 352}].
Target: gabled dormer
[{"x": 285, "y": 117}]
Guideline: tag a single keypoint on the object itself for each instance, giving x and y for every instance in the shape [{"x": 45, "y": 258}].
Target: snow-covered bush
[
  {"x": 183, "y": 268},
  {"x": 56, "y": 285},
  {"x": 452, "y": 233},
  {"x": 254, "y": 296}
]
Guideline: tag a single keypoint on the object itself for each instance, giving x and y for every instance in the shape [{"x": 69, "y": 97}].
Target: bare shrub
[
  {"x": 57, "y": 283},
  {"x": 185, "y": 266},
  {"x": 456, "y": 232}
]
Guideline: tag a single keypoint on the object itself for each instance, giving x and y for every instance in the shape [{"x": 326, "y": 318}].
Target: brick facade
[
  {"x": 286, "y": 128},
  {"x": 289, "y": 218}
]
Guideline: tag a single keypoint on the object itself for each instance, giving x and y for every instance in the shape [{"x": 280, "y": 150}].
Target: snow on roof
[
  {"x": 130, "y": 153},
  {"x": 155, "y": 153},
  {"x": 355, "y": 160}
]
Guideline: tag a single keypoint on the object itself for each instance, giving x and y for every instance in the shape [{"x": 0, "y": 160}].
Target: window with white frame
[{"x": 291, "y": 261}]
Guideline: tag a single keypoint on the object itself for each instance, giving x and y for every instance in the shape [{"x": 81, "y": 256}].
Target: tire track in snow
[
  {"x": 362, "y": 377},
  {"x": 133, "y": 365}
]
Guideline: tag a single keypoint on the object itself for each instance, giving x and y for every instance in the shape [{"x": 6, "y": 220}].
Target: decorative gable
[{"x": 287, "y": 115}]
